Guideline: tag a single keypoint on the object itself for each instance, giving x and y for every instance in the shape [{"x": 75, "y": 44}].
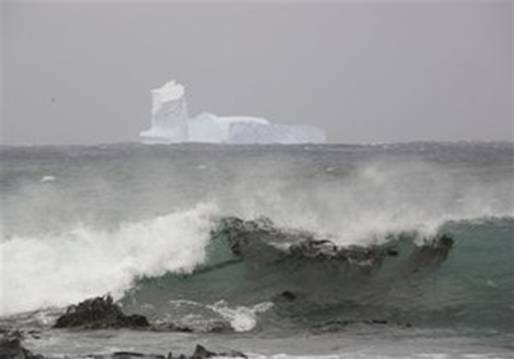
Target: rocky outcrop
[
  {"x": 99, "y": 313},
  {"x": 11, "y": 347},
  {"x": 201, "y": 353},
  {"x": 103, "y": 313},
  {"x": 212, "y": 326}
]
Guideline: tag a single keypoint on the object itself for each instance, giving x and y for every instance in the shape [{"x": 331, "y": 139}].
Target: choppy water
[{"x": 140, "y": 222}]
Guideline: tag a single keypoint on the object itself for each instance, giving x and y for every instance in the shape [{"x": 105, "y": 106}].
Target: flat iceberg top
[
  {"x": 244, "y": 119},
  {"x": 170, "y": 91},
  {"x": 229, "y": 120}
]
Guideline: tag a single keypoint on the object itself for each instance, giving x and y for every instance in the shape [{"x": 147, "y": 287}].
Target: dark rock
[
  {"x": 11, "y": 348},
  {"x": 378, "y": 321},
  {"x": 287, "y": 295},
  {"x": 130, "y": 355},
  {"x": 235, "y": 354},
  {"x": 126, "y": 354},
  {"x": 207, "y": 326},
  {"x": 179, "y": 328},
  {"x": 99, "y": 313},
  {"x": 201, "y": 353}
]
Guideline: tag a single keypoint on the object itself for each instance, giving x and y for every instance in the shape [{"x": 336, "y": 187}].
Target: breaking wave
[
  {"x": 60, "y": 269},
  {"x": 296, "y": 237},
  {"x": 182, "y": 268}
]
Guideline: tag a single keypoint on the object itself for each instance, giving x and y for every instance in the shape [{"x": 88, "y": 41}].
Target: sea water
[{"x": 137, "y": 221}]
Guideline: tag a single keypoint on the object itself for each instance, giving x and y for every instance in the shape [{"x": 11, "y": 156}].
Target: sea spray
[{"x": 61, "y": 269}]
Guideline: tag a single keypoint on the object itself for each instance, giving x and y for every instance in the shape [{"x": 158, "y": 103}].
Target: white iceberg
[
  {"x": 171, "y": 124},
  {"x": 169, "y": 115}
]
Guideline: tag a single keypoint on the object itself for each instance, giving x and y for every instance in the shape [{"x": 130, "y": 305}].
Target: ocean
[{"x": 328, "y": 251}]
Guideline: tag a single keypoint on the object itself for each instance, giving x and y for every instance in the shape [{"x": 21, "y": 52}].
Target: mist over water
[{"x": 83, "y": 221}]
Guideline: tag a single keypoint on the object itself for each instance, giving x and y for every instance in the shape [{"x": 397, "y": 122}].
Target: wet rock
[
  {"x": 214, "y": 326},
  {"x": 377, "y": 321},
  {"x": 130, "y": 355},
  {"x": 179, "y": 328},
  {"x": 287, "y": 295},
  {"x": 201, "y": 353},
  {"x": 125, "y": 355},
  {"x": 206, "y": 321},
  {"x": 11, "y": 347},
  {"x": 99, "y": 313}
]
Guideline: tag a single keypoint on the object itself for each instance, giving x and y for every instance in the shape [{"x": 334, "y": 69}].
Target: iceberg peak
[{"x": 169, "y": 91}]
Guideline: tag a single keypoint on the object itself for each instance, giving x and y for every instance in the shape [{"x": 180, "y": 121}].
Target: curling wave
[{"x": 311, "y": 282}]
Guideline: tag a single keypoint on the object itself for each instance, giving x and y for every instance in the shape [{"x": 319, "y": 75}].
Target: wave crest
[{"x": 57, "y": 270}]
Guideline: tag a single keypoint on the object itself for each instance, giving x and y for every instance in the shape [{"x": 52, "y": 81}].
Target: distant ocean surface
[{"x": 143, "y": 223}]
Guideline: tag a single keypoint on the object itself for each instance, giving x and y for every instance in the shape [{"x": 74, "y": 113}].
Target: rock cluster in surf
[
  {"x": 11, "y": 348},
  {"x": 99, "y": 313}
]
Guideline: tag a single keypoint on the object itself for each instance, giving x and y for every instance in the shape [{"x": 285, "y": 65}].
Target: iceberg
[
  {"x": 171, "y": 124},
  {"x": 169, "y": 115}
]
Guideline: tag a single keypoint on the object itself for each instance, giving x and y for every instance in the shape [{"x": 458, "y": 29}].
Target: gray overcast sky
[{"x": 365, "y": 72}]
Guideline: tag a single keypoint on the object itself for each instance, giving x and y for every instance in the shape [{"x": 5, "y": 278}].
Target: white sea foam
[
  {"x": 60, "y": 269},
  {"x": 241, "y": 318},
  {"x": 48, "y": 179}
]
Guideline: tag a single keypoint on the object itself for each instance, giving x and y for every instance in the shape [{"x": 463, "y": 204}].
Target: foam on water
[
  {"x": 241, "y": 318},
  {"x": 48, "y": 178},
  {"x": 60, "y": 269}
]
